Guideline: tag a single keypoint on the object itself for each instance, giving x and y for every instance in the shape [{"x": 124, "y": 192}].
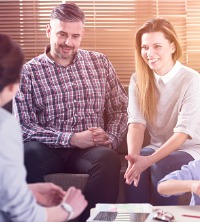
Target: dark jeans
[
  {"x": 101, "y": 163},
  {"x": 146, "y": 192}
]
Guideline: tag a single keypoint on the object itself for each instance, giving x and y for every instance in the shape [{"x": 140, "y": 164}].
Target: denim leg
[
  {"x": 141, "y": 193},
  {"x": 163, "y": 167}
]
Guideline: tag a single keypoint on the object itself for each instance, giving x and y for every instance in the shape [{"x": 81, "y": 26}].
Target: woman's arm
[
  {"x": 137, "y": 164},
  {"x": 171, "y": 145},
  {"x": 135, "y": 137},
  {"x": 172, "y": 187}
]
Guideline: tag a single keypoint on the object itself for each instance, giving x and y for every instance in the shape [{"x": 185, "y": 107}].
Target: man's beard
[{"x": 62, "y": 56}]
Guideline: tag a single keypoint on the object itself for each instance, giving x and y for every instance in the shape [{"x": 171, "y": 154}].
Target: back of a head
[
  {"x": 11, "y": 61},
  {"x": 68, "y": 12}
]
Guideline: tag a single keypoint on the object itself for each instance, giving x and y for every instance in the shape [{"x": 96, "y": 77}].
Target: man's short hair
[{"x": 68, "y": 12}]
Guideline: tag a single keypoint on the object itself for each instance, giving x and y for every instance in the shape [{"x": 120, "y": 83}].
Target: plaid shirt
[{"x": 54, "y": 102}]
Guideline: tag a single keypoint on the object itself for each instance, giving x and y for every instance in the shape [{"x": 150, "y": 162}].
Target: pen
[{"x": 193, "y": 216}]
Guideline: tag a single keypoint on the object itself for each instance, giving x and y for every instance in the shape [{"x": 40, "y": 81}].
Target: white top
[
  {"x": 16, "y": 200},
  {"x": 178, "y": 108}
]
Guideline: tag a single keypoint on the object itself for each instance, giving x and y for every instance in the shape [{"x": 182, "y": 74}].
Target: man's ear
[
  {"x": 83, "y": 33},
  {"x": 11, "y": 87},
  {"x": 48, "y": 30}
]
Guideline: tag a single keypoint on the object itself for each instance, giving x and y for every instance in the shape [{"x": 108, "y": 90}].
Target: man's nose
[{"x": 68, "y": 41}]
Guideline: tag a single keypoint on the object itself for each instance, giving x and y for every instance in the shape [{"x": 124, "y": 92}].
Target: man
[{"x": 61, "y": 105}]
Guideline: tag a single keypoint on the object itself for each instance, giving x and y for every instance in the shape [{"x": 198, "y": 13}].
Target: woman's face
[{"x": 157, "y": 52}]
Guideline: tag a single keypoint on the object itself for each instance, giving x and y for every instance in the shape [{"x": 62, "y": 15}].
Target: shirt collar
[
  {"x": 168, "y": 76},
  {"x": 47, "y": 50}
]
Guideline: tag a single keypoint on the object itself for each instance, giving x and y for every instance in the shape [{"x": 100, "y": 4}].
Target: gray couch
[{"x": 80, "y": 180}]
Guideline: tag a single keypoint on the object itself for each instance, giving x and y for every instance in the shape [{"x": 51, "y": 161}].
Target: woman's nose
[{"x": 150, "y": 52}]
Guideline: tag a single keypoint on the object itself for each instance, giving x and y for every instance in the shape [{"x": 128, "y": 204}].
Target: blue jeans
[
  {"x": 146, "y": 191},
  {"x": 101, "y": 163}
]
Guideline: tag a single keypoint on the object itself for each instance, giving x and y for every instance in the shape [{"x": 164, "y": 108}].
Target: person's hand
[
  {"x": 195, "y": 187},
  {"x": 100, "y": 137},
  {"x": 94, "y": 136},
  {"x": 128, "y": 175},
  {"x": 83, "y": 139},
  {"x": 47, "y": 194},
  {"x": 136, "y": 165},
  {"x": 76, "y": 200}
]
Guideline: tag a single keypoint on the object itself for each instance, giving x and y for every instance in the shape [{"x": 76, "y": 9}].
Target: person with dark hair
[
  {"x": 37, "y": 202},
  {"x": 164, "y": 98},
  {"x": 61, "y": 104}
]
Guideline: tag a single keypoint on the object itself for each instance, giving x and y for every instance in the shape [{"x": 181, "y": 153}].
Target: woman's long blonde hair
[{"x": 146, "y": 90}]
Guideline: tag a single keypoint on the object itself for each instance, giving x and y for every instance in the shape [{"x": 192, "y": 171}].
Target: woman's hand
[
  {"x": 47, "y": 194},
  {"x": 136, "y": 165},
  {"x": 195, "y": 187}
]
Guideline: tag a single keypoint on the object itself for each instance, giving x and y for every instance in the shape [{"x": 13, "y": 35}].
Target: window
[{"x": 110, "y": 27}]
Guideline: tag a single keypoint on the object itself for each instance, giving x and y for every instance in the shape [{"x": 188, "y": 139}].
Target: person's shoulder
[
  {"x": 38, "y": 60},
  {"x": 133, "y": 77},
  {"x": 91, "y": 54},
  {"x": 190, "y": 71},
  {"x": 6, "y": 116}
]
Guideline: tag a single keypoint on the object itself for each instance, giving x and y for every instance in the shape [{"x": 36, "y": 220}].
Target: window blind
[{"x": 110, "y": 27}]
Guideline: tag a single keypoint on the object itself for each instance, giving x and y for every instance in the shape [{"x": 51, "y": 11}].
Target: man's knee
[
  {"x": 33, "y": 147},
  {"x": 109, "y": 155},
  {"x": 103, "y": 159}
]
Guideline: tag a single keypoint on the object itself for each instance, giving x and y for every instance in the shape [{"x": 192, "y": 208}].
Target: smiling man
[{"x": 63, "y": 96}]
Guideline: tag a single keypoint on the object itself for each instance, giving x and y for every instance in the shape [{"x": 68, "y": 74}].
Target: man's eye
[
  {"x": 144, "y": 47},
  {"x": 61, "y": 34}
]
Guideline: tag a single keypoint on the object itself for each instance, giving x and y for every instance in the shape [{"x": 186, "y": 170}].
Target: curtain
[{"x": 110, "y": 27}]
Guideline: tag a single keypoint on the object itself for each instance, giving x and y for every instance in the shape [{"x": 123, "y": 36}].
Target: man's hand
[
  {"x": 76, "y": 200},
  {"x": 94, "y": 136},
  {"x": 83, "y": 139},
  {"x": 100, "y": 137},
  {"x": 47, "y": 194}
]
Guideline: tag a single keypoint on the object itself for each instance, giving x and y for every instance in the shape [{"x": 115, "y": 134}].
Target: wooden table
[{"x": 178, "y": 211}]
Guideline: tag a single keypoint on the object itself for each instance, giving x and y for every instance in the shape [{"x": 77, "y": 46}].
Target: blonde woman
[{"x": 164, "y": 98}]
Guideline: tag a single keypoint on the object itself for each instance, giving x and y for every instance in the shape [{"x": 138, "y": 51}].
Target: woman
[
  {"x": 164, "y": 98},
  {"x": 20, "y": 202},
  {"x": 187, "y": 179}
]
